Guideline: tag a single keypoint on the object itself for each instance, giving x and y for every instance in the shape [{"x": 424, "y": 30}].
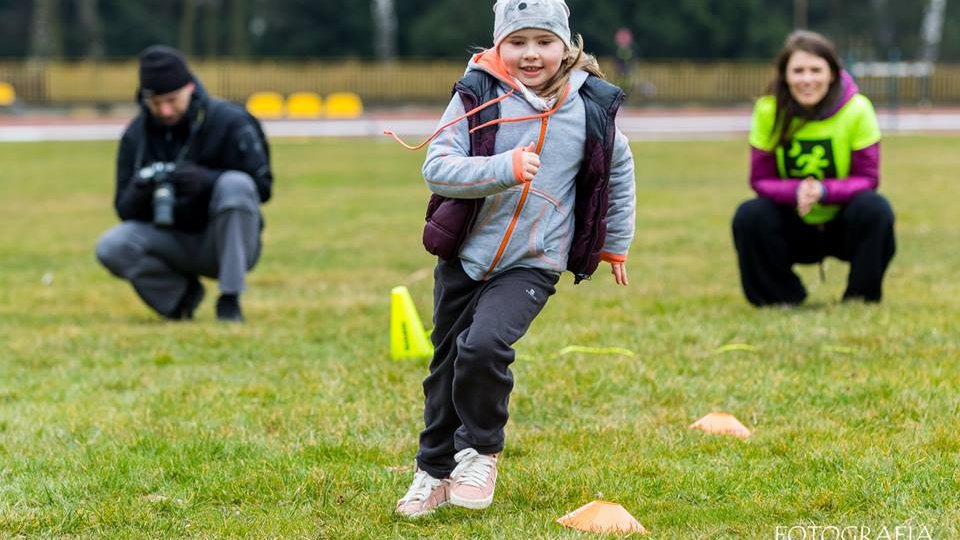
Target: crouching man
[{"x": 192, "y": 172}]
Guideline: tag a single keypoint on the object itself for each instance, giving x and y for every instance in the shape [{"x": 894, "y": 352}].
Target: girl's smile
[{"x": 533, "y": 56}]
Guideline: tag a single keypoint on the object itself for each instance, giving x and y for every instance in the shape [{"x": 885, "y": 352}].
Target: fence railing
[{"x": 671, "y": 83}]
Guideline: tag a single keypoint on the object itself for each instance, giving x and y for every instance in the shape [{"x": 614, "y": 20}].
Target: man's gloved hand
[{"x": 191, "y": 179}]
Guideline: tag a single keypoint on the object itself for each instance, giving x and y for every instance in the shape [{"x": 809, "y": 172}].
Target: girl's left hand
[{"x": 619, "y": 271}]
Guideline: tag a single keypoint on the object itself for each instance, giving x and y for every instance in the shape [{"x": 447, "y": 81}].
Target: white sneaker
[
  {"x": 425, "y": 495},
  {"x": 473, "y": 479}
]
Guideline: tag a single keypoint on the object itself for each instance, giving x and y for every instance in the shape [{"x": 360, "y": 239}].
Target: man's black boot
[
  {"x": 228, "y": 308},
  {"x": 188, "y": 302}
]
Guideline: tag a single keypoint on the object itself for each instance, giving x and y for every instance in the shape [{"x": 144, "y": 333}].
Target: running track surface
[{"x": 660, "y": 124}]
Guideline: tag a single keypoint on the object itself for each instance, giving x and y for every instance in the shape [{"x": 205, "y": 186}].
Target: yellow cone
[
  {"x": 721, "y": 424},
  {"x": 408, "y": 339},
  {"x": 602, "y": 517}
]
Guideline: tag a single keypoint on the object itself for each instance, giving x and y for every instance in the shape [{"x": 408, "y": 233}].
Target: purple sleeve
[
  {"x": 765, "y": 180},
  {"x": 864, "y": 176}
]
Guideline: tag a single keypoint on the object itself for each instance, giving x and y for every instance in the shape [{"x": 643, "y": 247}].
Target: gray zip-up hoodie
[{"x": 533, "y": 231}]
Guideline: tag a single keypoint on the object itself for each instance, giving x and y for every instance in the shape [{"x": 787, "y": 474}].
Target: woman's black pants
[{"x": 771, "y": 238}]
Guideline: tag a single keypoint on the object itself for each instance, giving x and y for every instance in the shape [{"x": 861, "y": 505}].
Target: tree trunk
[
  {"x": 45, "y": 39},
  {"x": 239, "y": 29},
  {"x": 385, "y": 28},
  {"x": 932, "y": 30},
  {"x": 89, "y": 14},
  {"x": 211, "y": 28},
  {"x": 188, "y": 20},
  {"x": 800, "y": 14}
]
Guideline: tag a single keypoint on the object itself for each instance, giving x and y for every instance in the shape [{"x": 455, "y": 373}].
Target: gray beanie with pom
[{"x": 513, "y": 15}]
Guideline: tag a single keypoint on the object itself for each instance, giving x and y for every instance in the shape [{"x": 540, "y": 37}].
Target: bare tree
[
  {"x": 45, "y": 38},
  {"x": 385, "y": 27},
  {"x": 932, "y": 30},
  {"x": 88, "y": 13},
  {"x": 800, "y": 14},
  {"x": 188, "y": 21},
  {"x": 211, "y": 28},
  {"x": 239, "y": 29}
]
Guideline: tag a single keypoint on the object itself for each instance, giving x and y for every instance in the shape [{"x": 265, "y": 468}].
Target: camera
[{"x": 158, "y": 174}]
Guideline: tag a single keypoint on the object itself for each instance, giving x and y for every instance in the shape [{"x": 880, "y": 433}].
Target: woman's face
[
  {"x": 533, "y": 56},
  {"x": 808, "y": 77}
]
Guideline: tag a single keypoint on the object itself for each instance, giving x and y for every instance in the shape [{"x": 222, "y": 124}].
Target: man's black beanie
[{"x": 162, "y": 70}]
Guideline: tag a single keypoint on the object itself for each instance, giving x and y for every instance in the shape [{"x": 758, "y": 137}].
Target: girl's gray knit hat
[{"x": 513, "y": 15}]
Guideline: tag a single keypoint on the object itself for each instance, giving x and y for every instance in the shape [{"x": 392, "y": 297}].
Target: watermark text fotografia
[{"x": 852, "y": 532}]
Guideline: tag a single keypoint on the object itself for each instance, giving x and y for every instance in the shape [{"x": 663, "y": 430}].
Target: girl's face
[
  {"x": 533, "y": 56},
  {"x": 808, "y": 77}
]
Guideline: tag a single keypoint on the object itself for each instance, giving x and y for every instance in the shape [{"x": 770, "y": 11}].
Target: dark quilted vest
[{"x": 449, "y": 221}]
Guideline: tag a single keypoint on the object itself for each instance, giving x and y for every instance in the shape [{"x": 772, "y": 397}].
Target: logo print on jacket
[
  {"x": 810, "y": 158},
  {"x": 532, "y": 293}
]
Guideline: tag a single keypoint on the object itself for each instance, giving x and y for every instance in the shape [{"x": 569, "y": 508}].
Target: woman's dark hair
[{"x": 787, "y": 107}]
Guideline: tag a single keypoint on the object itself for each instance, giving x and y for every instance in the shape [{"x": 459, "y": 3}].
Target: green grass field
[{"x": 297, "y": 424}]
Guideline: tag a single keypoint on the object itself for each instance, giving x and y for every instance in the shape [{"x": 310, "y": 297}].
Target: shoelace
[
  {"x": 472, "y": 467},
  {"x": 423, "y": 484}
]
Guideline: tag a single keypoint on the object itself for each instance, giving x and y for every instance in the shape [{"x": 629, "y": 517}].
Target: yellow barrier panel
[
  {"x": 344, "y": 105},
  {"x": 674, "y": 82},
  {"x": 265, "y": 105},
  {"x": 7, "y": 95},
  {"x": 304, "y": 105}
]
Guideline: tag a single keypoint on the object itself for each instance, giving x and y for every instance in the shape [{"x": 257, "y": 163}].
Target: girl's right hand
[{"x": 529, "y": 162}]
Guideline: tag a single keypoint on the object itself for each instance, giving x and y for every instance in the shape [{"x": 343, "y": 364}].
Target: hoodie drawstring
[
  {"x": 450, "y": 123},
  {"x": 540, "y": 116},
  {"x": 556, "y": 107}
]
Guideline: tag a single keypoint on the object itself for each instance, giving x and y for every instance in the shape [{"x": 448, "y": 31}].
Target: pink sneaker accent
[
  {"x": 473, "y": 480},
  {"x": 425, "y": 495}
]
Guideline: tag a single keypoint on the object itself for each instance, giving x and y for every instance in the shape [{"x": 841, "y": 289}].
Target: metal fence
[{"x": 429, "y": 82}]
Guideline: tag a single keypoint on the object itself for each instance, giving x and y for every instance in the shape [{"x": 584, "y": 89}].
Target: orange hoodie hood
[{"x": 489, "y": 60}]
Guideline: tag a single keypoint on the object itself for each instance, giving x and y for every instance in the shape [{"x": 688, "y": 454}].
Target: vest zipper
[{"x": 523, "y": 199}]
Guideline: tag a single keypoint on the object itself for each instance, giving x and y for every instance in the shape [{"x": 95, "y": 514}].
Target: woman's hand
[
  {"x": 619, "y": 271},
  {"x": 809, "y": 192}
]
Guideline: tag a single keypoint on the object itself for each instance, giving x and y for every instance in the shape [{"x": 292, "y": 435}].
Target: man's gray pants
[{"x": 160, "y": 263}]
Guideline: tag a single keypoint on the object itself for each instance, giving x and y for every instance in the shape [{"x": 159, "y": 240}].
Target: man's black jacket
[{"x": 216, "y": 135}]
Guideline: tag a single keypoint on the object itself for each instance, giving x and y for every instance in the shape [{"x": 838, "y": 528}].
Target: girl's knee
[{"x": 482, "y": 342}]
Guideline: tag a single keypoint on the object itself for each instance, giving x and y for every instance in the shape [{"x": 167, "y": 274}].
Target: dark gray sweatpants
[
  {"x": 476, "y": 324},
  {"x": 161, "y": 262}
]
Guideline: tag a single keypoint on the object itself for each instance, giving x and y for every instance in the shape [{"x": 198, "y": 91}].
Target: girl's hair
[
  {"x": 574, "y": 59},
  {"x": 788, "y": 109}
]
